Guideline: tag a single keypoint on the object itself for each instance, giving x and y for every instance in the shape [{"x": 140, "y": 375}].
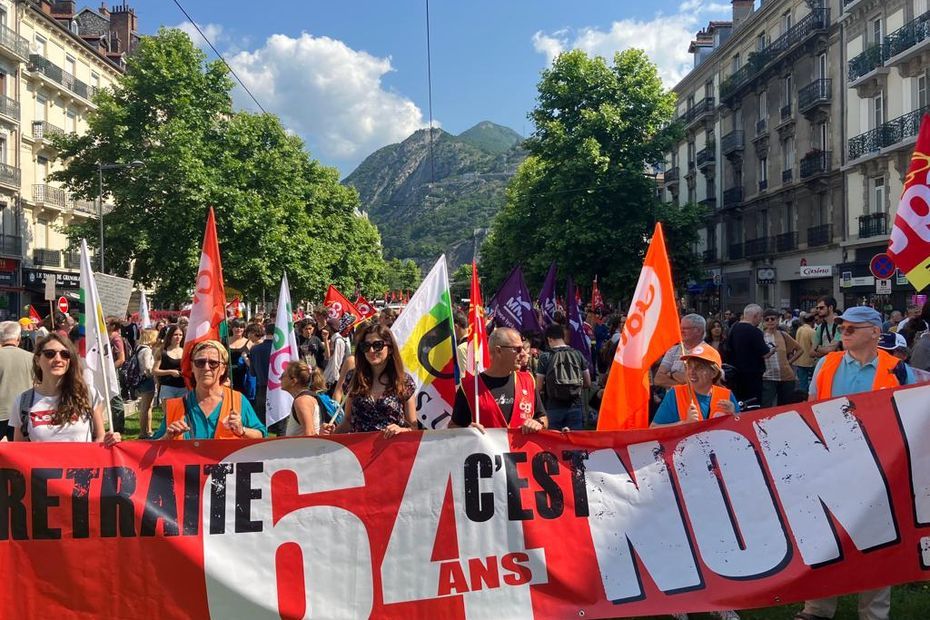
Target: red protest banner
[
  {"x": 909, "y": 245},
  {"x": 766, "y": 508}
]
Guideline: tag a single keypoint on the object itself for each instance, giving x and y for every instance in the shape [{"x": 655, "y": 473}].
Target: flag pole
[{"x": 106, "y": 379}]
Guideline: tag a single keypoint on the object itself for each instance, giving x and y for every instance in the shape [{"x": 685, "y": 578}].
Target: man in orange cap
[{"x": 701, "y": 397}]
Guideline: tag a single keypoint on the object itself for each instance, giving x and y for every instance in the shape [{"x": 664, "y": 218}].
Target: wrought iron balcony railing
[
  {"x": 46, "y": 258},
  {"x": 732, "y": 197},
  {"x": 9, "y": 175},
  {"x": 866, "y": 62},
  {"x": 907, "y": 36},
  {"x": 873, "y": 225},
  {"x": 817, "y": 162},
  {"x": 733, "y": 141},
  {"x": 785, "y": 242},
  {"x": 815, "y": 93},
  {"x": 819, "y": 235},
  {"x": 12, "y": 42}
]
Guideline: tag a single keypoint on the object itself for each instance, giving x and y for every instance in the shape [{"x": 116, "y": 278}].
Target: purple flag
[
  {"x": 577, "y": 339},
  {"x": 512, "y": 306},
  {"x": 547, "y": 303}
]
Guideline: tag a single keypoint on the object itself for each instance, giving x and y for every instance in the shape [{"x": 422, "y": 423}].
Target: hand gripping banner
[{"x": 763, "y": 509}]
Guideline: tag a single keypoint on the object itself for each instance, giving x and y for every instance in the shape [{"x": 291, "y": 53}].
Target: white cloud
[
  {"x": 214, "y": 32},
  {"x": 665, "y": 38}
]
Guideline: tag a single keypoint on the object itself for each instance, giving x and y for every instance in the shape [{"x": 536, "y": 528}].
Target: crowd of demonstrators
[
  {"x": 562, "y": 375},
  {"x": 15, "y": 373}
]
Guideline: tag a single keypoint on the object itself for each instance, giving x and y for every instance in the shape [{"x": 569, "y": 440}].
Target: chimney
[
  {"x": 103, "y": 10},
  {"x": 64, "y": 8},
  {"x": 123, "y": 23},
  {"x": 742, "y": 9}
]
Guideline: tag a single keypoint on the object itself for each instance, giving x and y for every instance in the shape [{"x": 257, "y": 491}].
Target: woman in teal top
[{"x": 230, "y": 414}]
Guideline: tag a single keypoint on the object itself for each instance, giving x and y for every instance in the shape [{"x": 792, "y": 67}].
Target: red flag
[
  {"x": 910, "y": 234},
  {"x": 365, "y": 309},
  {"x": 208, "y": 310},
  {"x": 34, "y": 316},
  {"x": 234, "y": 309},
  {"x": 597, "y": 302},
  {"x": 651, "y": 329},
  {"x": 477, "y": 337},
  {"x": 393, "y": 297},
  {"x": 338, "y": 307}
]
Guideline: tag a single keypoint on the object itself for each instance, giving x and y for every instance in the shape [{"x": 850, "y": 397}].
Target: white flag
[
  {"x": 99, "y": 371},
  {"x": 144, "y": 312},
  {"x": 283, "y": 351}
]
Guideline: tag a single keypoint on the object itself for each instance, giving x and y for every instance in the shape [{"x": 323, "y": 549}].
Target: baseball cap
[
  {"x": 862, "y": 314},
  {"x": 704, "y": 352},
  {"x": 890, "y": 342}
]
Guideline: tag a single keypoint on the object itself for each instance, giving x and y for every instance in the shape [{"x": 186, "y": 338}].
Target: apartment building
[
  {"x": 762, "y": 111},
  {"x": 53, "y": 59},
  {"x": 887, "y": 44}
]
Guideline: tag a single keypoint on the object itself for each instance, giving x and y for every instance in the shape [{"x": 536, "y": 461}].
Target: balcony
[
  {"x": 9, "y": 175},
  {"x": 816, "y": 94},
  {"x": 891, "y": 135},
  {"x": 73, "y": 259},
  {"x": 762, "y": 127},
  {"x": 786, "y": 242},
  {"x": 817, "y": 21},
  {"x": 705, "y": 157},
  {"x": 82, "y": 206},
  {"x": 9, "y": 108},
  {"x": 733, "y": 142},
  {"x": 865, "y": 63},
  {"x": 40, "y": 64},
  {"x": 786, "y": 113},
  {"x": 709, "y": 255},
  {"x": 763, "y": 185},
  {"x": 46, "y": 258},
  {"x": 732, "y": 197},
  {"x": 671, "y": 176},
  {"x": 787, "y": 176},
  {"x": 759, "y": 247},
  {"x": 12, "y": 43},
  {"x": 873, "y": 225},
  {"x": 736, "y": 251},
  {"x": 48, "y": 196},
  {"x": 815, "y": 163},
  {"x": 907, "y": 41},
  {"x": 11, "y": 245},
  {"x": 709, "y": 203},
  {"x": 698, "y": 111},
  {"x": 43, "y": 130},
  {"x": 819, "y": 235}
]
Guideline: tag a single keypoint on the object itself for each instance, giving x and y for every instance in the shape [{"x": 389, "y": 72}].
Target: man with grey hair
[
  {"x": 747, "y": 353},
  {"x": 671, "y": 369},
  {"x": 15, "y": 373}
]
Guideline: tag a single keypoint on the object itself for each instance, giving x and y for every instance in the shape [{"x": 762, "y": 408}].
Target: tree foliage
[
  {"x": 277, "y": 209},
  {"x": 582, "y": 198},
  {"x": 402, "y": 275}
]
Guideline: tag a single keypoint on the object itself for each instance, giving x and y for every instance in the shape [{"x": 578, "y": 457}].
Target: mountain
[{"x": 424, "y": 208}]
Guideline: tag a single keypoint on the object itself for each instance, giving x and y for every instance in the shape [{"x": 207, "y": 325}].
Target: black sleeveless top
[{"x": 169, "y": 363}]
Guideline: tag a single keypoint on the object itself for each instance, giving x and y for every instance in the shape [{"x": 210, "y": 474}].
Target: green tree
[
  {"x": 402, "y": 275},
  {"x": 582, "y": 198},
  {"x": 277, "y": 209}
]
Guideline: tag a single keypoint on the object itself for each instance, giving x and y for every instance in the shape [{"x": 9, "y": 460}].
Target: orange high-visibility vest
[
  {"x": 176, "y": 409},
  {"x": 683, "y": 399},
  {"x": 884, "y": 373}
]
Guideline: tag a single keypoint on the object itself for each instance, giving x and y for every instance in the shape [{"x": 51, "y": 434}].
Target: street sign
[
  {"x": 881, "y": 266},
  {"x": 49, "y": 288},
  {"x": 883, "y": 287},
  {"x": 900, "y": 278},
  {"x": 63, "y": 305}
]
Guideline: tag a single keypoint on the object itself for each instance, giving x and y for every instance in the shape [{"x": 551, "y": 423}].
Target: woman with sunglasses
[
  {"x": 212, "y": 410},
  {"x": 380, "y": 396},
  {"x": 60, "y": 407},
  {"x": 778, "y": 380}
]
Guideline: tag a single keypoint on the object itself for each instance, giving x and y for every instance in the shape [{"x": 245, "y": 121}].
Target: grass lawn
[{"x": 908, "y": 602}]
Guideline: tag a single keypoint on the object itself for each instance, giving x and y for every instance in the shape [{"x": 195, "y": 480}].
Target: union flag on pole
[
  {"x": 597, "y": 302},
  {"x": 910, "y": 235},
  {"x": 478, "y": 358},
  {"x": 364, "y": 308},
  {"x": 338, "y": 307},
  {"x": 208, "y": 311},
  {"x": 651, "y": 329}
]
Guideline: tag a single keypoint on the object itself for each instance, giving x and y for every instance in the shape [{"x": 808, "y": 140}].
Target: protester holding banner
[
  {"x": 702, "y": 397},
  {"x": 168, "y": 364},
  {"x": 672, "y": 369},
  {"x": 60, "y": 406},
  {"x": 303, "y": 382},
  {"x": 380, "y": 396},
  {"x": 860, "y": 367},
  {"x": 230, "y": 414},
  {"x": 502, "y": 390}
]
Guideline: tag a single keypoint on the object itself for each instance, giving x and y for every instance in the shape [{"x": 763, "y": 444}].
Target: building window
[
  {"x": 763, "y": 169},
  {"x": 41, "y": 170},
  {"x": 41, "y": 111},
  {"x": 790, "y": 217},
  {"x": 787, "y": 150},
  {"x": 763, "y": 106},
  {"x": 878, "y": 110},
  {"x": 921, "y": 94},
  {"x": 40, "y": 44},
  {"x": 760, "y": 42},
  {"x": 763, "y": 224},
  {"x": 42, "y": 233},
  {"x": 71, "y": 121},
  {"x": 877, "y": 31},
  {"x": 95, "y": 79},
  {"x": 878, "y": 195},
  {"x": 2, "y": 149},
  {"x": 788, "y": 85},
  {"x": 691, "y": 153},
  {"x": 822, "y": 66},
  {"x": 787, "y": 21},
  {"x": 735, "y": 63},
  {"x": 70, "y": 64},
  {"x": 709, "y": 89},
  {"x": 692, "y": 197}
]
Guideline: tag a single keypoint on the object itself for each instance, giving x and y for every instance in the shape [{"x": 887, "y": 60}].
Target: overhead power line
[
  {"x": 429, "y": 94},
  {"x": 220, "y": 56}
]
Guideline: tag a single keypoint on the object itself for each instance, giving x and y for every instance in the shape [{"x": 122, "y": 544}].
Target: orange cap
[{"x": 704, "y": 352}]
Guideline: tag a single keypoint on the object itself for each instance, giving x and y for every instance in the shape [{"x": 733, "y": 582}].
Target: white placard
[{"x": 114, "y": 294}]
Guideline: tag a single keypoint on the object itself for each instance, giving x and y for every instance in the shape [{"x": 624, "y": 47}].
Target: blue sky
[{"x": 350, "y": 77}]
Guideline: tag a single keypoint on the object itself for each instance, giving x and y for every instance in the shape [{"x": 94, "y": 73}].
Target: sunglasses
[
  {"x": 377, "y": 346},
  {"x": 50, "y": 354},
  {"x": 849, "y": 330},
  {"x": 517, "y": 349},
  {"x": 771, "y": 318},
  {"x": 203, "y": 363}
]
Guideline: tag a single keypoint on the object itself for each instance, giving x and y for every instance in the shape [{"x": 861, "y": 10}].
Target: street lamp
[{"x": 100, "y": 168}]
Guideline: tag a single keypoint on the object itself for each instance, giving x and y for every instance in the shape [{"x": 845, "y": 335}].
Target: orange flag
[
  {"x": 651, "y": 329},
  {"x": 208, "y": 311}
]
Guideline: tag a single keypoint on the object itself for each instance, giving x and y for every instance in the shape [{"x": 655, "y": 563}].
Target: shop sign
[
  {"x": 858, "y": 281},
  {"x": 816, "y": 271},
  {"x": 900, "y": 279},
  {"x": 846, "y": 279},
  {"x": 7, "y": 278},
  {"x": 35, "y": 279},
  {"x": 883, "y": 287},
  {"x": 765, "y": 275}
]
